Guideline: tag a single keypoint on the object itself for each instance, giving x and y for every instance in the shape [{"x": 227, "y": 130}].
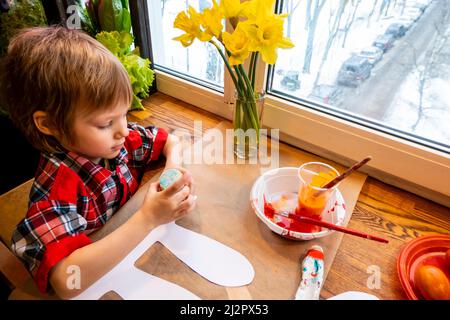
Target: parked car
[
  {"x": 419, "y": 5},
  {"x": 290, "y": 80},
  {"x": 413, "y": 13},
  {"x": 384, "y": 42},
  {"x": 406, "y": 22},
  {"x": 326, "y": 93},
  {"x": 372, "y": 54},
  {"x": 396, "y": 30},
  {"x": 354, "y": 71}
]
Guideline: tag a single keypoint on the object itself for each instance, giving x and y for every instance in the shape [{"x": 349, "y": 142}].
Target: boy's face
[{"x": 100, "y": 134}]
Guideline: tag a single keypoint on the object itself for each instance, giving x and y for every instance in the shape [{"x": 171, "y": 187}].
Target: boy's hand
[
  {"x": 173, "y": 152},
  {"x": 189, "y": 180},
  {"x": 161, "y": 207}
]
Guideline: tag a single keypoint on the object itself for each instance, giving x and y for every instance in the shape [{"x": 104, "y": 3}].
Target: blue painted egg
[{"x": 168, "y": 177}]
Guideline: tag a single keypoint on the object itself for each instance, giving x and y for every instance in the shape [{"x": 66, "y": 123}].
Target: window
[
  {"x": 388, "y": 59},
  {"x": 365, "y": 78},
  {"x": 199, "y": 62}
]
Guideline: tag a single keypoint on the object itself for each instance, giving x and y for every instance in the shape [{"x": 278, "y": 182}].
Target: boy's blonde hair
[{"x": 57, "y": 70}]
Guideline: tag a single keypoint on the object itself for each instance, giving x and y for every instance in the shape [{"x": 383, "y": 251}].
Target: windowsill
[
  {"x": 396, "y": 161},
  {"x": 381, "y": 209}
]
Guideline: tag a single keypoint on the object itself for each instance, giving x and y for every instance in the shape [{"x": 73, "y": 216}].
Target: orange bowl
[{"x": 426, "y": 250}]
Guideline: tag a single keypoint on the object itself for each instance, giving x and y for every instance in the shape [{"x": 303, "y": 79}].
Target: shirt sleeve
[
  {"x": 144, "y": 144},
  {"x": 51, "y": 231}
]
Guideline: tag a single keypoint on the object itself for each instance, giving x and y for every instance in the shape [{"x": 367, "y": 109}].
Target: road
[{"x": 373, "y": 98}]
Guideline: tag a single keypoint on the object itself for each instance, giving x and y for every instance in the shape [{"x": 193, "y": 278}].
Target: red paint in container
[{"x": 287, "y": 202}]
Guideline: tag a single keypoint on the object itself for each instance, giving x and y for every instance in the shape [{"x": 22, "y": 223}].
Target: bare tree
[
  {"x": 203, "y": 4},
  {"x": 187, "y": 49},
  {"x": 317, "y": 7},
  {"x": 332, "y": 35},
  {"x": 349, "y": 22},
  {"x": 403, "y": 7},
  {"x": 163, "y": 6},
  {"x": 214, "y": 66},
  {"x": 425, "y": 69},
  {"x": 384, "y": 8},
  {"x": 371, "y": 12},
  {"x": 289, "y": 7},
  {"x": 308, "y": 14}
]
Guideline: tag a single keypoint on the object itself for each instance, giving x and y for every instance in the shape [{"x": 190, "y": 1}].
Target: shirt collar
[{"x": 92, "y": 174}]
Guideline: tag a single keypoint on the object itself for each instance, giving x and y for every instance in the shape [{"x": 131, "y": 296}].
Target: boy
[{"x": 70, "y": 96}]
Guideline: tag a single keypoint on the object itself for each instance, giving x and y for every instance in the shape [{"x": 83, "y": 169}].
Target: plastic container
[
  {"x": 426, "y": 250},
  {"x": 285, "y": 180}
]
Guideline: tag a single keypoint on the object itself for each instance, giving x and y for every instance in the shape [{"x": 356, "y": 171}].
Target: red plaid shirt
[{"x": 72, "y": 196}]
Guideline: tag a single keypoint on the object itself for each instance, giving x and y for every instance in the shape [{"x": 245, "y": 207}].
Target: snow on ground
[
  {"x": 434, "y": 123},
  {"x": 401, "y": 114}
]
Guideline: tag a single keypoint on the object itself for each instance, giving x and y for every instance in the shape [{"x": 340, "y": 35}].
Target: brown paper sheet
[{"x": 224, "y": 213}]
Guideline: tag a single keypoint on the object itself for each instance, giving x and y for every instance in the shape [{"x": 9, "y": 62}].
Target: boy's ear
[{"x": 41, "y": 122}]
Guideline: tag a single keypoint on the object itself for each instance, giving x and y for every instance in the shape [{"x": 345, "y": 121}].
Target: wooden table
[{"x": 382, "y": 209}]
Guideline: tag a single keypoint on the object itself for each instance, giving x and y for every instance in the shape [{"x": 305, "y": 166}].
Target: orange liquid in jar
[{"x": 312, "y": 203}]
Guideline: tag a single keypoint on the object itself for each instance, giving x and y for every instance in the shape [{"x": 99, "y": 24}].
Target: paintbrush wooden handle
[
  {"x": 330, "y": 226},
  {"x": 341, "y": 177},
  {"x": 337, "y": 228}
]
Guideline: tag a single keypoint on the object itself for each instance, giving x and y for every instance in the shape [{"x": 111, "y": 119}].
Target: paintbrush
[
  {"x": 329, "y": 226},
  {"x": 344, "y": 175}
]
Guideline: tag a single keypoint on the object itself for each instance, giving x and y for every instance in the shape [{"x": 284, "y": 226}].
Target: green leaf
[
  {"x": 118, "y": 14},
  {"x": 110, "y": 40},
  {"x": 126, "y": 21},
  {"x": 136, "y": 51},
  {"x": 86, "y": 22},
  {"x": 22, "y": 14},
  {"x": 106, "y": 15},
  {"x": 138, "y": 69},
  {"x": 92, "y": 11},
  {"x": 125, "y": 4},
  {"x": 136, "y": 104},
  {"x": 125, "y": 41}
]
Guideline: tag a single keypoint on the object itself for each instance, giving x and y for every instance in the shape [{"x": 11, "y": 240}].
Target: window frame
[
  {"x": 396, "y": 160},
  {"x": 140, "y": 23},
  {"x": 405, "y": 164}
]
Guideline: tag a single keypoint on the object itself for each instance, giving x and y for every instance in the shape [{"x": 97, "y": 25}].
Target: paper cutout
[
  {"x": 209, "y": 258},
  {"x": 354, "y": 295}
]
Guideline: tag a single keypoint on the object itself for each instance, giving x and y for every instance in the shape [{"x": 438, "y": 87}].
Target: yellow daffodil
[
  {"x": 188, "y": 25},
  {"x": 232, "y": 8},
  {"x": 259, "y": 8},
  {"x": 191, "y": 25},
  {"x": 266, "y": 34},
  {"x": 211, "y": 20},
  {"x": 237, "y": 43}
]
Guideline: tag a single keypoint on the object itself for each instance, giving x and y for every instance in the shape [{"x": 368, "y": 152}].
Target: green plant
[
  {"x": 141, "y": 76},
  {"x": 22, "y": 14},
  {"x": 105, "y": 15}
]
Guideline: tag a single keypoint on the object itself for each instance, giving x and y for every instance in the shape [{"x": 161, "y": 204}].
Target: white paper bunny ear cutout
[
  {"x": 134, "y": 284},
  {"x": 354, "y": 295},
  {"x": 209, "y": 258}
]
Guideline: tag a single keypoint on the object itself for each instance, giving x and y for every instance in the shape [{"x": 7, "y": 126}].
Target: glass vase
[{"x": 247, "y": 124}]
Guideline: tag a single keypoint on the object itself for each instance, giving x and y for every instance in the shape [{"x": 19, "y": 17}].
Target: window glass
[{"x": 386, "y": 63}]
